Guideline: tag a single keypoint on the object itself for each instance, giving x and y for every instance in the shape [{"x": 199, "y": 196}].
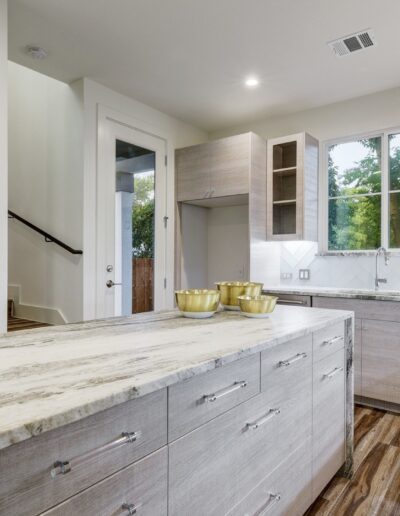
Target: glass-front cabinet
[{"x": 292, "y": 188}]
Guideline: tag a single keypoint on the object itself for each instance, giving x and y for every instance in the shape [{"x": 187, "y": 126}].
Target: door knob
[{"x": 110, "y": 283}]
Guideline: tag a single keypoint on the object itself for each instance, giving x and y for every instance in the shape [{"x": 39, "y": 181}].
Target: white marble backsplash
[{"x": 334, "y": 271}]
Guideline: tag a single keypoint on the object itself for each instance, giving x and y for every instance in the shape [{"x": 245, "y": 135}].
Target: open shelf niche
[{"x": 291, "y": 207}]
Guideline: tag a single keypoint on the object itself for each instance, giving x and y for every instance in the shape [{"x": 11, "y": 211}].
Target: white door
[{"x": 126, "y": 158}]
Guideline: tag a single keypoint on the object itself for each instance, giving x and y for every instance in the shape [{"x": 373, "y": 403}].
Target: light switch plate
[
  {"x": 304, "y": 274},
  {"x": 286, "y": 275}
]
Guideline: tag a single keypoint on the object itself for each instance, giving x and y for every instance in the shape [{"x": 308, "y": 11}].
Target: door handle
[{"x": 110, "y": 283}]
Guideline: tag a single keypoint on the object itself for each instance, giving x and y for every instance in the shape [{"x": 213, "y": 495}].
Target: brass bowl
[
  {"x": 231, "y": 290},
  {"x": 257, "y": 306},
  {"x": 202, "y": 302}
]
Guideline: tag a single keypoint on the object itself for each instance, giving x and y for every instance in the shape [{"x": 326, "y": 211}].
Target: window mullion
[{"x": 385, "y": 191}]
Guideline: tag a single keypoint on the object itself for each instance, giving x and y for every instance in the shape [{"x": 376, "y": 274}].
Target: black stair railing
[{"x": 47, "y": 236}]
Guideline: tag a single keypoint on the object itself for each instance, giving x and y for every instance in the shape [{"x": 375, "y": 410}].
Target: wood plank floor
[
  {"x": 15, "y": 324},
  {"x": 374, "y": 489}
]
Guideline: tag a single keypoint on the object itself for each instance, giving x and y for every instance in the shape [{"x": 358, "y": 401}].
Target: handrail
[{"x": 47, "y": 236}]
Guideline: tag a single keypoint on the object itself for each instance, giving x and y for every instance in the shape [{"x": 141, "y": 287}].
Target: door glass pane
[{"x": 134, "y": 228}]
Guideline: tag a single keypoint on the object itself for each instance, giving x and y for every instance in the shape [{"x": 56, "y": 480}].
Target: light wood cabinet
[
  {"x": 90, "y": 449},
  {"x": 200, "y": 399},
  {"x": 376, "y": 348},
  {"x": 292, "y": 188},
  {"x": 328, "y": 419},
  {"x": 220, "y": 211},
  {"x": 140, "y": 487},
  {"x": 219, "y": 168},
  {"x": 286, "y": 491},
  {"x": 381, "y": 360},
  {"x": 215, "y": 466},
  {"x": 245, "y": 448}
]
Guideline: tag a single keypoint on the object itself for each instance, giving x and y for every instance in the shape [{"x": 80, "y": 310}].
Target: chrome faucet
[{"x": 378, "y": 280}]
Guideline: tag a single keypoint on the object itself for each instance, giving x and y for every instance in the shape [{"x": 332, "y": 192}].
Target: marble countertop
[
  {"x": 380, "y": 295},
  {"x": 54, "y": 376}
]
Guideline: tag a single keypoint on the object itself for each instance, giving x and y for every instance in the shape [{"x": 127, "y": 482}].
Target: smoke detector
[
  {"x": 353, "y": 43},
  {"x": 36, "y": 52}
]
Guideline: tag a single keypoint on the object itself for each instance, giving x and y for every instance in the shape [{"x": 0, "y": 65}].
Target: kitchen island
[
  {"x": 157, "y": 414},
  {"x": 376, "y": 339}
]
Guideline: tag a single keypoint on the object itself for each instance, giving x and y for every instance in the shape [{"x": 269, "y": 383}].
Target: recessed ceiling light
[
  {"x": 36, "y": 52},
  {"x": 252, "y": 82}
]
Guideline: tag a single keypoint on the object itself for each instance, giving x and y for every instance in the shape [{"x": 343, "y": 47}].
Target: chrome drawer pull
[
  {"x": 333, "y": 373},
  {"x": 223, "y": 392},
  {"x": 131, "y": 508},
  {"x": 332, "y": 341},
  {"x": 290, "y": 361},
  {"x": 264, "y": 419},
  {"x": 64, "y": 467},
  {"x": 273, "y": 499}
]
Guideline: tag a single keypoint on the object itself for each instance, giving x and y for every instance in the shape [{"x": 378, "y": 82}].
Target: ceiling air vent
[{"x": 353, "y": 43}]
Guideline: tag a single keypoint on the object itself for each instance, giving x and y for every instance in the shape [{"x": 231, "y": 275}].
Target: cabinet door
[
  {"x": 192, "y": 166},
  {"x": 357, "y": 360},
  {"x": 328, "y": 419},
  {"x": 230, "y": 165},
  {"x": 381, "y": 360}
]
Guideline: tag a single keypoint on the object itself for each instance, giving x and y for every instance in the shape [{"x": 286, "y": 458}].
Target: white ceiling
[{"x": 189, "y": 58}]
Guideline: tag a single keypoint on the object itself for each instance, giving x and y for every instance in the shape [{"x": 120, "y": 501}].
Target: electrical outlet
[
  {"x": 304, "y": 274},
  {"x": 286, "y": 275}
]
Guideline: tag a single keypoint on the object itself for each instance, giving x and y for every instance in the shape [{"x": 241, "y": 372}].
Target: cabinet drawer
[
  {"x": 90, "y": 445},
  {"x": 286, "y": 491},
  {"x": 281, "y": 366},
  {"x": 328, "y": 419},
  {"x": 214, "y": 467},
  {"x": 194, "y": 402},
  {"x": 362, "y": 308},
  {"x": 381, "y": 360},
  {"x": 328, "y": 340},
  {"x": 142, "y": 485}
]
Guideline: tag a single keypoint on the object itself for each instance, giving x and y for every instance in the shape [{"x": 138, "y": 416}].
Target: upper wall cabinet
[
  {"x": 292, "y": 188},
  {"x": 214, "y": 169}
]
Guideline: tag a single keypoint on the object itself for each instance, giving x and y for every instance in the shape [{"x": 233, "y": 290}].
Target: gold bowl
[
  {"x": 257, "y": 306},
  {"x": 197, "y": 303},
  {"x": 231, "y": 290}
]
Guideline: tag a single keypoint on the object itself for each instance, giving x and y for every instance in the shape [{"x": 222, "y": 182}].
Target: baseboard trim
[
  {"x": 379, "y": 404},
  {"x": 37, "y": 313}
]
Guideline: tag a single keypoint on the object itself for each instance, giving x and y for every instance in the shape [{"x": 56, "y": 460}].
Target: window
[{"x": 364, "y": 193}]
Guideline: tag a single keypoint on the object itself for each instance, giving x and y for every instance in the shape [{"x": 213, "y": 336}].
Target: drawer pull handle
[
  {"x": 131, "y": 508},
  {"x": 290, "y": 361},
  {"x": 223, "y": 392},
  {"x": 333, "y": 373},
  {"x": 291, "y": 302},
  {"x": 332, "y": 341},
  {"x": 264, "y": 419},
  {"x": 273, "y": 499},
  {"x": 64, "y": 467}
]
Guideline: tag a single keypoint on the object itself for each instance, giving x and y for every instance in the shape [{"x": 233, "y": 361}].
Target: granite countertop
[
  {"x": 351, "y": 293},
  {"x": 54, "y": 376}
]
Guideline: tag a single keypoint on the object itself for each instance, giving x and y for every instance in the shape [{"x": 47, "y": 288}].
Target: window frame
[{"x": 385, "y": 191}]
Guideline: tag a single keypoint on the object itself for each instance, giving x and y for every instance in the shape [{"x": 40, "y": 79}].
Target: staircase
[{"x": 15, "y": 324}]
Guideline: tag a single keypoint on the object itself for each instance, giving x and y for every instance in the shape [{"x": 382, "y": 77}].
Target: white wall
[
  {"x": 3, "y": 165},
  {"x": 45, "y": 187},
  {"x": 176, "y": 133},
  {"x": 377, "y": 111},
  {"x": 363, "y": 114}
]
